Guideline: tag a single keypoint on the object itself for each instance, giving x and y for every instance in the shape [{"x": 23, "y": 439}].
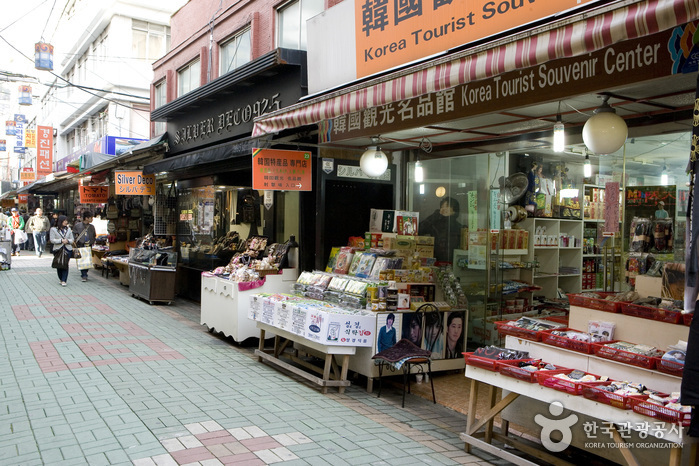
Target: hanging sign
[
  {"x": 30, "y": 138},
  {"x": 94, "y": 194},
  {"x": 43, "y": 56},
  {"x": 269, "y": 199},
  {"x": 20, "y": 122},
  {"x": 22, "y": 198},
  {"x": 3, "y": 145},
  {"x": 27, "y": 174},
  {"x": 44, "y": 153},
  {"x": 281, "y": 170},
  {"x": 10, "y": 127},
  {"x": 25, "y": 95},
  {"x": 134, "y": 183}
]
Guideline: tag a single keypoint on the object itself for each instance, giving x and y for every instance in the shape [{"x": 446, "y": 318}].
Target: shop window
[
  {"x": 292, "y": 22},
  {"x": 189, "y": 77},
  {"x": 236, "y": 51}
]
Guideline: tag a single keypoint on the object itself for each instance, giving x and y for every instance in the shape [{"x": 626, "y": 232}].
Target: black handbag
[{"x": 61, "y": 258}]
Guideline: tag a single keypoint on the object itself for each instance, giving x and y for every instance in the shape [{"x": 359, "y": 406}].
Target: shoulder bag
[{"x": 76, "y": 249}]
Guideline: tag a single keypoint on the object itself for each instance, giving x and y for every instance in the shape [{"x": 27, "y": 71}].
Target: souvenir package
[
  {"x": 641, "y": 234},
  {"x": 344, "y": 260},
  {"x": 366, "y": 263},
  {"x": 662, "y": 235},
  {"x": 601, "y": 331},
  {"x": 581, "y": 376},
  {"x": 500, "y": 354},
  {"x": 380, "y": 264},
  {"x": 332, "y": 260},
  {"x": 354, "y": 265},
  {"x": 305, "y": 279}
]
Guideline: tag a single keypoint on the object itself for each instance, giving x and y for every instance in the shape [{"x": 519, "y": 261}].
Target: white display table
[{"x": 224, "y": 308}]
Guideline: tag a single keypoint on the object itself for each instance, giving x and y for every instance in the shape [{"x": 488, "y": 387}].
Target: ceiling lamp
[
  {"x": 559, "y": 136},
  {"x": 663, "y": 176},
  {"x": 419, "y": 172},
  {"x": 587, "y": 166},
  {"x": 373, "y": 161},
  {"x": 605, "y": 131}
]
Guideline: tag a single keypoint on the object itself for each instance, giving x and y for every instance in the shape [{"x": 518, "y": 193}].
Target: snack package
[{"x": 601, "y": 331}]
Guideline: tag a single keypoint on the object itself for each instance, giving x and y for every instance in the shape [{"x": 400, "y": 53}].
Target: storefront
[{"x": 206, "y": 205}]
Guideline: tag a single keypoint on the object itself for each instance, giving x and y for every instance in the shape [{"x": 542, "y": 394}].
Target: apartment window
[
  {"x": 236, "y": 51},
  {"x": 292, "y": 22},
  {"x": 149, "y": 41},
  {"x": 189, "y": 77},
  {"x": 160, "y": 100}
]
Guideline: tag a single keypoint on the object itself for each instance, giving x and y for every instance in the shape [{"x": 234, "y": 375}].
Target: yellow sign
[
  {"x": 391, "y": 34},
  {"x": 27, "y": 175},
  {"x": 30, "y": 138},
  {"x": 134, "y": 183}
]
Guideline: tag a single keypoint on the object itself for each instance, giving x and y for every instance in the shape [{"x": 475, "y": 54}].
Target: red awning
[{"x": 613, "y": 24}]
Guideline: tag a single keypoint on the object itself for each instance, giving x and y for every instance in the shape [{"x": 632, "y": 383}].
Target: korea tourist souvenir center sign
[{"x": 281, "y": 170}]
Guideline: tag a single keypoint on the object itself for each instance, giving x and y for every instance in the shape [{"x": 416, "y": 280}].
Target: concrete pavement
[{"x": 90, "y": 375}]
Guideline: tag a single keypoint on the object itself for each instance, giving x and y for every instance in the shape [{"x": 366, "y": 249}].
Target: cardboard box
[
  {"x": 424, "y": 240},
  {"x": 425, "y": 251},
  {"x": 341, "y": 328}
]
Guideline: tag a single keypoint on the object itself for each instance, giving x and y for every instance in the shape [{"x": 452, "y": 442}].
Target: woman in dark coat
[{"x": 445, "y": 229}]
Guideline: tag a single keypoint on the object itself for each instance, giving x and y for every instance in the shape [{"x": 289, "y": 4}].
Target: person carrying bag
[
  {"x": 62, "y": 238},
  {"x": 16, "y": 224},
  {"x": 86, "y": 236}
]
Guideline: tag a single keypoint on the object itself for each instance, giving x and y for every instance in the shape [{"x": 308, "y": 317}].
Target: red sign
[
  {"x": 94, "y": 194},
  {"x": 44, "y": 150},
  {"x": 281, "y": 170},
  {"x": 23, "y": 198}
]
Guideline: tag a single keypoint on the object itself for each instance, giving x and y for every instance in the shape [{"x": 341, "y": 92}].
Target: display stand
[
  {"x": 152, "y": 283},
  {"x": 302, "y": 345},
  {"x": 224, "y": 307}
]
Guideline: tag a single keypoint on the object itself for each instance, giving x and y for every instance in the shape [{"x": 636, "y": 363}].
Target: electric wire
[{"x": 47, "y": 20}]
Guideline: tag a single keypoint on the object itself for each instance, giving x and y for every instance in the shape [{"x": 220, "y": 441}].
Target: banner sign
[
  {"x": 30, "y": 139},
  {"x": 7, "y": 203},
  {"x": 94, "y": 194},
  {"x": 22, "y": 198},
  {"x": 134, "y": 183},
  {"x": 27, "y": 174},
  {"x": 282, "y": 170},
  {"x": 44, "y": 153},
  {"x": 20, "y": 122},
  {"x": 10, "y": 127},
  {"x": 3, "y": 145}
]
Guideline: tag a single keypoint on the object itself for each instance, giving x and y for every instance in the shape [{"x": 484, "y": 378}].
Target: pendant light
[
  {"x": 605, "y": 131},
  {"x": 663, "y": 176},
  {"x": 587, "y": 166},
  {"x": 419, "y": 172},
  {"x": 559, "y": 137},
  {"x": 373, "y": 161}
]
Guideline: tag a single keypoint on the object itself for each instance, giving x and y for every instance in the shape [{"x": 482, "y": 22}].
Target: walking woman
[
  {"x": 62, "y": 237},
  {"x": 15, "y": 222}
]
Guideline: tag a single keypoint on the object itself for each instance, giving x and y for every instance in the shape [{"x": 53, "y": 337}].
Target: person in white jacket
[
  {"x": 62, "y": 237},
  {"x": 39, "y": 225}
]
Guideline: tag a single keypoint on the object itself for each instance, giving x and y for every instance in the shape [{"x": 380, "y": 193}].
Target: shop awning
[
  {"x": 572, "y": 37},
  {"x": 88, "y": 160},
  {"x": 151, "y": 144},
  {"x": 53, "y": 183},
  {"x": 213, "y": 154}
]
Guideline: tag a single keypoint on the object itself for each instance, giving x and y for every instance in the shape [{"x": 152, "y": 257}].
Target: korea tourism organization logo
[{"x": 549, "y": 426}]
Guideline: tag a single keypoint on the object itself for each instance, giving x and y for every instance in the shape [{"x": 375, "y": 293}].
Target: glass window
[
  {"x": 160, "y": 100},
  {"x": 188, "y": 78},
  {"x": 292, "y": 22},
  {"x": 149, "y": 41},
  {"x": 236, "y": 52}
]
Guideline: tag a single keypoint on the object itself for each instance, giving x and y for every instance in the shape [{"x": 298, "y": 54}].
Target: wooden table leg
[
  {"x": 277, "y": 343},
  {"x": 261, "y": 344},
  {"x": 343, "y": 371},
  {"x": 491, "y": 402},
  {"x": 326, "y": 371},
  {"x": 471, "y": 418}
]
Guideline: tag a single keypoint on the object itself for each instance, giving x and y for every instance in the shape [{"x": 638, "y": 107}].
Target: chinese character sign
[
  {"x": 134, "y": 183},
  {"x": 94, "y": 194},
  {"x": 388, "y": 34},
  {"x": 44, "y": 150},
  {"x": 27, "y": 174},
  {"x": 282, "y": 170}
]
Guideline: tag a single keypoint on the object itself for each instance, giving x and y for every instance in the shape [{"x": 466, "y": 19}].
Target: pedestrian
[
  {"x": 39, "y": 225},
  {"x": 62, "y": 237},
  {"x": 15, "y": 222},
  {"x": 29, "y": 244},
  {"x": 85, "y": 235},
  {"x": 53, "y": 222}
]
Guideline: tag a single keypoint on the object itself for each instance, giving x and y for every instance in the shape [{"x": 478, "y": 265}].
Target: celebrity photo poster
[
  {"x": 389, "y": 330},
  {"x": 455, "y": 334},
  {"x": 434, "y": 334},
  {"x": 412, "y": 328}
]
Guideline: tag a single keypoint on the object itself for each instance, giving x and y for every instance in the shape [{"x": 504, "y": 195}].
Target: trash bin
[{"x": 5, "y": 255}]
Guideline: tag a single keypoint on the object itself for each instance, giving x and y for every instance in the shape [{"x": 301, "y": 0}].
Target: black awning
[{"x": 214, "y": 154}]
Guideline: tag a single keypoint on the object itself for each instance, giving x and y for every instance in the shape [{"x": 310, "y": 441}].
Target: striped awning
[{"x": 616, "y": 23}]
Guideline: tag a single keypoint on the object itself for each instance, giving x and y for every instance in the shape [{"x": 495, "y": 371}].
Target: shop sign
[
  {"x": 20, "y": 121},
  {"x": 44, "y": 153},
  {"x": 389, "y": 34},
  {"x": 8, "y": 203},
  {"x": 650, "y": 57},
  {"x": 22, "y": 198},
  {"x": 30, "y": 138},
  {"x": 133, "y": 183},
  {"x": 27, "y": 174},
  {"x": 282, "y": 170},
  {"x": 94, "y": 194},
  {"x": 611, "y": 206},
  {"x": 353, "y": 171}
]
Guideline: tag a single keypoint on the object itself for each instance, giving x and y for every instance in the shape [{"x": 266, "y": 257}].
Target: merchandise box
[
  {"x": 340, "y": 328},
  {"x": 401, "y": 222},
  {"x": 402, "y": 244},
  {"x": 424, "y": 240},
  {"x": 282, "y": 317},
  {"x": 425, "y": 251}
]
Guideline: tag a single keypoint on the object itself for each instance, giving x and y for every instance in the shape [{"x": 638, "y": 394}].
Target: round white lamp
[
  {"x": 605, "y": 132},
  {"x": 373, "y": 162}
]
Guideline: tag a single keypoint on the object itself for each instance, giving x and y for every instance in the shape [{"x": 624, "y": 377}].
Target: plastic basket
[
  {"x": 565, "y": 342},
  {"x": 491, "y": 364},
  {"x": 669, "y": 367},
  {"x": 568, "y": 386},
  {"x": 521, "y": 374},
  {"x": 687, "y": 318},
  {"x": 601, "y": 304},
  {"x": 661, "y": 412},
  {"x": 505, "y": 327},
  {"x": 654, "y": 313},
  {"x": 597, "y": 393},
  {"x": 615, "y": 354}
]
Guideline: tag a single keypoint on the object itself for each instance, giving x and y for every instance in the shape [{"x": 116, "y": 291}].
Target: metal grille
[{"x": 165, "y": 211}]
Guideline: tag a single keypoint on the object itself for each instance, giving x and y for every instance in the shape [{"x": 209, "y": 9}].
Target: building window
[
  {"x": 292, "y": 22},
  {"x": 189, "y": 77},
  {"x": 150, "y": 41},
  {"x": 160, "y": 100},
  {"x": 235, "y": 52}
]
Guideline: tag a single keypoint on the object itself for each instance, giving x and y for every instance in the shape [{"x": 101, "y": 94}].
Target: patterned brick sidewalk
[{"x": 90, "y": 375}]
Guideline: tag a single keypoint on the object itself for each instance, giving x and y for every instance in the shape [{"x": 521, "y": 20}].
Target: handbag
[
  {"x": 61, "y": 258},
  {"x": 20, "y": 237},
  {"x": 76, "y": 248},
  {"x": 84, "y": 257}
]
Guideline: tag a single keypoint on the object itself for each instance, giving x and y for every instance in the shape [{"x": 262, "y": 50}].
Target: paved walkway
[{"x": 90, "y": 375}]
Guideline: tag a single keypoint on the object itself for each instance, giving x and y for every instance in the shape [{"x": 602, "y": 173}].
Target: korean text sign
[
  {"x": 44, "y": 150},
  {"x": 133, "y": 183},
  {"x": 281, "y": 170}
]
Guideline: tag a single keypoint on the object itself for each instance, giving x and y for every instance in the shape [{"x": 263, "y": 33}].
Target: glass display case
[{"x": 152, "y": 274}]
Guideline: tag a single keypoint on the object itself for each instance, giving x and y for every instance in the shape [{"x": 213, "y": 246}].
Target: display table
[
  {"x": 513, "y": 389},
  {"x": 328, "y": 352},
  {"x": 224, "y": 307},
  {"x": 119, "y": 264}
]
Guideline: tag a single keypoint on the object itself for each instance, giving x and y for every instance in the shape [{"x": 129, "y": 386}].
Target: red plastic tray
[
  {"x": 647, "y": 362},
  {"x": 490, "y": 364},
  {"x": 654, "y": 313},
  {"x": 597, "y": 393},
  {"x": 687, "y": 318},
  {"x": 564, "y": 342},
  {"x": 505, "y": 327},
  {"x": 594, "y": 303},
  {"x": 568, "y": 386},
  {"x": 669, "y": 367},
  {"x": 521, "y": 374},
  {"x": 661, "y": 412}
]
